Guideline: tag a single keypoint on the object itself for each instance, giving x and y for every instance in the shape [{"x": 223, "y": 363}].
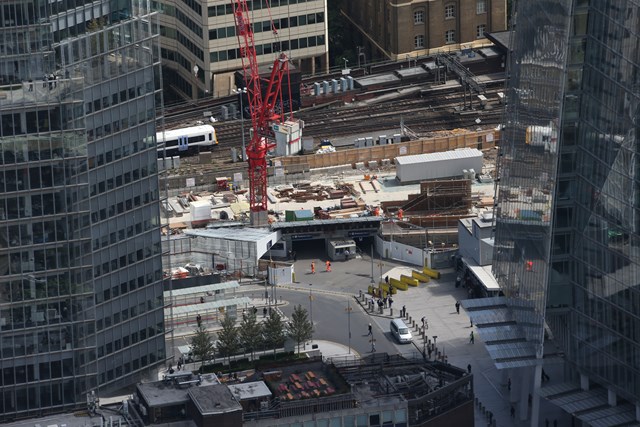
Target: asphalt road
[{"x": 331, "y": 321}]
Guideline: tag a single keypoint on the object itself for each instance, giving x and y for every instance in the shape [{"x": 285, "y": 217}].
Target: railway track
[{"x": 427, "y": 114}]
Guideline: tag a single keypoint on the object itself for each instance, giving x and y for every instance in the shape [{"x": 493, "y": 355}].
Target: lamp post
[
  {"x": 310, "y": 303},
  {"x": 241, "y": 92},
  {"x": 348, "y": 310},
  {"x": 372, "y": 243}
]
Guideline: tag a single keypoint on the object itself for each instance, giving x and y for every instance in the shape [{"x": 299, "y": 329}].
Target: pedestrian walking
[
  {"x": 313, "y": 267},
  {"x": 429, "y": 350},
  {"x": 458, "y": 307},
  {"x": 295, "y": 256},
  {"x": 469, "y": 367},
  {"x": 264, "y": 312},
  {"x": 545, "y": 377},
  {"x": 386, "y": 279},
  {"x": 472, "y": 338},
  {"x": 513, "y": 412},
  {"x": 199, "y": 320},
  {"x": 373, "y": 345},
  {"x": 370, "y": 330},
  {"x": 30, "y": 85},
  {"x": 423, "y": 320},
  {"x": 404, "y": 311},
  {"x": 471, "y": 322},
  {"x": 290, "y": 255},
  {"x": 328, "y": 266},
  {"x": 390, "y": 301}
]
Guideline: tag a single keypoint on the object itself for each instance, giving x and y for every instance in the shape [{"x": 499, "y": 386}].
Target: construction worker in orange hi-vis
[
  {"x": 313, "y": 267},
  {"x": 328, "y": 266},
  {"x": 400, "y": 213}
]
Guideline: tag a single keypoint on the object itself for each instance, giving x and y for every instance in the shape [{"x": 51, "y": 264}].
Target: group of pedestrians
[{"x": 327, "y": 266}]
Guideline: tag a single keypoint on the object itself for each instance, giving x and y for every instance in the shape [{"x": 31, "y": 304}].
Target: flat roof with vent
[{"x": 214, "y": 399}]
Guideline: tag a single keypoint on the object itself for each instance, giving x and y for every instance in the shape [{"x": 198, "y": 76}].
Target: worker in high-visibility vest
[
  {"x": 313, "y": 267},
  {"x": 328, "y": 266}
]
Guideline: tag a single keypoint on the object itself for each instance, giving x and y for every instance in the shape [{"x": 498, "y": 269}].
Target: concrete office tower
[
  {"x": 200, "y": 51},
  {"x": 80, "y": 262},
  {"x": 567, "y": 234}
]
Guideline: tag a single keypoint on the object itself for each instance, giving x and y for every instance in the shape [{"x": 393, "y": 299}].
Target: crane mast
[{"x": 262, "y": 111}]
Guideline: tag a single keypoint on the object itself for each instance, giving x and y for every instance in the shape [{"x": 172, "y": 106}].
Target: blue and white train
[{"x": 186, "y": 140}]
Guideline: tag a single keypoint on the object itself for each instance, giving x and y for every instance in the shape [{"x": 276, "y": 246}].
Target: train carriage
[{"x": 186, "y": 140}]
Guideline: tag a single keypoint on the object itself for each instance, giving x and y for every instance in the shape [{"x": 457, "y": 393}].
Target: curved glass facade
[
  {"x": 568, "y": 220},
  {"x": 80, "y": 262}
]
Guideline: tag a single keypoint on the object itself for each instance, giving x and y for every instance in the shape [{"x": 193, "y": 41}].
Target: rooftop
[
  {"x": 174, "y": 389},
  {"x": 214, "y": 399}
]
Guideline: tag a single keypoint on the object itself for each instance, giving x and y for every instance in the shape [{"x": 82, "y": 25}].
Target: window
[
  {"x": 418, "y": 17},
  {"x": 450, "y": 36},
  {"x": 481, "y": 6},
  {"x": 449, "y": 11},
  {"x": 480, "y": 31},
  {"x": 418, "y": 41}
]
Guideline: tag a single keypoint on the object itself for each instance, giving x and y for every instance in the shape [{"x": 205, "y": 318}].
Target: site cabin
[{"x": 341, "y": 250}]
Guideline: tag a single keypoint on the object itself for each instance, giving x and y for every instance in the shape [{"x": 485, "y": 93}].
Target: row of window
[
  {"x": 193, "y": 48},
  {"x": 450, "y": 11},
  {"x": 187, "y": 22},
  {"x": 449, "y": 37},
  {"x": 269, "y": 48},
  {"x": 126, "y": 260},
  {"x": 125, "y": 369},
  {"x": 265, "y": 26},
  {"x": 194, "y": 5},
  {"x": 253, "y": 5},
  {"x": 115, "y": 98},
  {"x": 119, "y": 344},
  {"x": 122, "y": 124}
]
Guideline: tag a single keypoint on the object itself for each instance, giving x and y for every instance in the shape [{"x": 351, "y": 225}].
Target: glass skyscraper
[
  {"x": 567, "y": 238},
  {"x": 80, "y": 260}
]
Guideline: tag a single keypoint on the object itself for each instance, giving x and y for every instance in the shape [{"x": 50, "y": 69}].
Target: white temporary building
[{"x": 447, "y": 164}]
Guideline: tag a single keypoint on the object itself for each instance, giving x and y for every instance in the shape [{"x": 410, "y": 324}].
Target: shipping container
[{"x": 447, "y": 164}]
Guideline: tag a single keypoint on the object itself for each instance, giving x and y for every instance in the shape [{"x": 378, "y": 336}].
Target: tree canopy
[
  {"x": 300, "y": 327},
  {"x": 202, "y": 345},
  {"x": 228, "y": 341},
  {"x": 273, "y": 331}
]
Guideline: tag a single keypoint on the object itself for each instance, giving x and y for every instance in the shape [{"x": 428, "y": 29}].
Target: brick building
[{"x": 396, "y": 29}]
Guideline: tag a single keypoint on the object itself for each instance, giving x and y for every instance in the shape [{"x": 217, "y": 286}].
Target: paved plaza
[{"x": 436, "y": 301}]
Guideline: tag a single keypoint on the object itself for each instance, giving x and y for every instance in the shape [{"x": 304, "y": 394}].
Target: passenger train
[{"x": 183, "y": 140}]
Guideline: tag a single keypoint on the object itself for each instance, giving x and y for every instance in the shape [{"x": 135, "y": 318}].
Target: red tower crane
[{"x": 262, "y": 110}]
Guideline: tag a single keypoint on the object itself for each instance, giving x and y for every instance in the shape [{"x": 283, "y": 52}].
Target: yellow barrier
[
  {"x": 409, "y": 280},
  {"x": 398, "y": 284},
  {"x": 386, "y": 289},
  {"x": 421, "y": 277},
  {"x": 431, "y": 273}
]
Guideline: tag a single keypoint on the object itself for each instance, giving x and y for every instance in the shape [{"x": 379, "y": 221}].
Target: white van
[{"x": 401, "y": 331}]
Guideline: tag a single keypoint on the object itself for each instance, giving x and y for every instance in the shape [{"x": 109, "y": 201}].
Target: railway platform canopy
[{"x": 327, "y": 229}]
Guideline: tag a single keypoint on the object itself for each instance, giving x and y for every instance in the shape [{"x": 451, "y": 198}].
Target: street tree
[
  {"x": 228, "y": 341},
  {"x": 300, "y": 327},
  {"x": 273, "y": 332},
  {"x": 250, "y": 333},
  {"x": 202, "y": 345}
]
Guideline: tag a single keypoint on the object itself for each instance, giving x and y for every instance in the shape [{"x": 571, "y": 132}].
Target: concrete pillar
[
  {"x": 612, "y": 398},
  {"x": 504, "y": 379},
  {"x": 584, "y": 382},
  {"x": 523, "y": 385},
  {"x": 535, "y": 404}
]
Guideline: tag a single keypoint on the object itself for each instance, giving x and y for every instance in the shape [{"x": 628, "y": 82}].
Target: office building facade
[
  {"x": 80, "y": 258},
  {"x": 200, "y": 50},
  {"x": 396, "y": 29},
  {"x": 567, "y": 224}
]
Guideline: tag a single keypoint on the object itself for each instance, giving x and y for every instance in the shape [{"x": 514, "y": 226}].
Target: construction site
[{"x": 211, "y": 214}]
